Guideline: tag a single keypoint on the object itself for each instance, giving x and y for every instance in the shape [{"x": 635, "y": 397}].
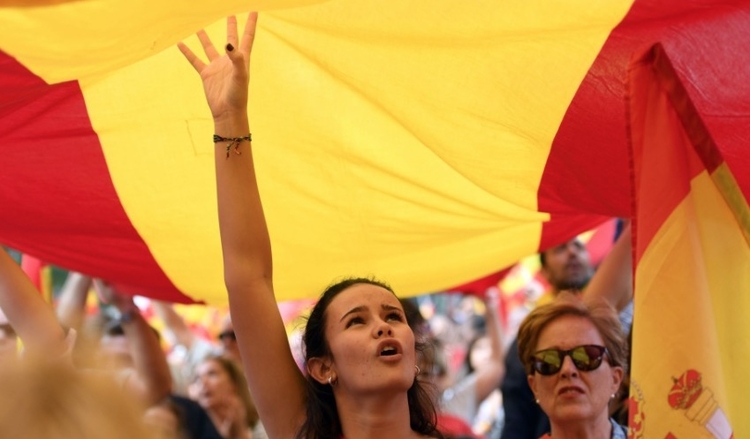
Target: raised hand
[
  {"x": 225, "y": 77},
  {"x": 109, "y": 295},
  {"x": 272, "y": 374}
]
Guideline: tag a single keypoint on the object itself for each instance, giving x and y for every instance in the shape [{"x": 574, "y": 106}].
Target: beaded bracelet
[{"x": 233, "y": 141}]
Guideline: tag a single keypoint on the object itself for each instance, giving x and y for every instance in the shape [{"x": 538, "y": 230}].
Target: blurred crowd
[{"x": 176, "y": 369}]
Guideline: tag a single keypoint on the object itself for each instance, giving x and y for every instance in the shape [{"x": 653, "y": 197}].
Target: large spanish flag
[
  {"x": 692, "y": 234},
  {"x": 425, "y": 142}
]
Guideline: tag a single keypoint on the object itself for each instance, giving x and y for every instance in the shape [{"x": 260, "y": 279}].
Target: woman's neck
[
  {"x": 600, "y": 429},
  {"x": 219, "y": 414},
  {"x": 375, "y": 417}
]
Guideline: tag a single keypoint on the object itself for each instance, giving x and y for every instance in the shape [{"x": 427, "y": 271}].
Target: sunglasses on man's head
[
  {"x": 227, "y": 335},
  {"x": 586, "y": 358}
]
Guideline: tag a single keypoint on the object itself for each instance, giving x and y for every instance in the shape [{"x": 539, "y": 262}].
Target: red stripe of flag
[
  {"x": 589, "y": 167},
  {"x": 84, "y": 204}
]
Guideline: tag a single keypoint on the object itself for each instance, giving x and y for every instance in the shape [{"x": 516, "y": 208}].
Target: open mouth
[{"x": 388, "y": 351}]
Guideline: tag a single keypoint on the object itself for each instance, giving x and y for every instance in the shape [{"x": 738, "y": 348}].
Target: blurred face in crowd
[
  {"x": 212, "y": 387},
  {"x": 228, "y": 340},
  {"x": 567, "y": 266},
  {"x": 481, "y": 351}
]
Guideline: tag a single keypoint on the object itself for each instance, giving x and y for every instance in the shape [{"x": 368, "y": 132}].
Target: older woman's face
[
  {"x": 571, "y": 394},
  {"x": 212, "y": 386}
]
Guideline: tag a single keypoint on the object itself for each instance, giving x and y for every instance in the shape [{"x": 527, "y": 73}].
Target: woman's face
[
  {"x": 570, "y": 394},
  {"x": 228, "y": 340},
  {"x": 480, "y": 352},
  {"x": 371, "y": 344},
  {"x": 212, "y": 386}
]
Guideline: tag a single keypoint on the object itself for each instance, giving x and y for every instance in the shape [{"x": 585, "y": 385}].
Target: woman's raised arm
[{"x": 276, "y": 383}]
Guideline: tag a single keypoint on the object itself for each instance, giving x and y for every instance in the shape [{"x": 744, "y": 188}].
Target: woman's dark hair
[{"x": 322, "y": 420}]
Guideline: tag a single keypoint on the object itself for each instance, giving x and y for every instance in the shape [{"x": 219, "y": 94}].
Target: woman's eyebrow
[{"x": 354, "y": 310}]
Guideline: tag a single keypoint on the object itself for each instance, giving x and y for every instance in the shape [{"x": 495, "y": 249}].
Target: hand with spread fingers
[
  {"x": 366, "y": 359},
  {"x": 226, "y": 76}
]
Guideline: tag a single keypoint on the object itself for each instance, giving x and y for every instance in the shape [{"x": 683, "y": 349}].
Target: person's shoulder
[{"x": 618, "y": 431}]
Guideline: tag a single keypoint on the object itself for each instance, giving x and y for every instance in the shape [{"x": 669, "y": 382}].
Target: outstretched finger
[
  {"x": 208, "y": 46},
  {"x": 196, "y": 62},
  {"x": 231, "y": 33},
  {"x": 248, "y": 36}
]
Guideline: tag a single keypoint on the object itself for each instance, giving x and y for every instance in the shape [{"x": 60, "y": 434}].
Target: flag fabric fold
[
  {"x": 692, "y": 274},
  {"x": 427, "y": 143}
]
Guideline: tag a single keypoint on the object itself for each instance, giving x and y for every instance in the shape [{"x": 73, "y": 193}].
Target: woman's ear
[
  {"x": 532, "y": 383},
  {"x": 321, "y": 370},
  {"x": 617, "y": 375}
]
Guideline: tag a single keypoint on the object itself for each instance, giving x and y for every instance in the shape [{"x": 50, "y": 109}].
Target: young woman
[{"x": 360, "y": 352}]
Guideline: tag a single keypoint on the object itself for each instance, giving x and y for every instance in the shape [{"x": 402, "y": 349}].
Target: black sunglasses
[
  {"x": 228, "y": 334},
  {"x": 586, "y": 358}
]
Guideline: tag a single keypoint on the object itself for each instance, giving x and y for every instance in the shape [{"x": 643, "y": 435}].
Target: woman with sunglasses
[{"x": 575, "y": 355}]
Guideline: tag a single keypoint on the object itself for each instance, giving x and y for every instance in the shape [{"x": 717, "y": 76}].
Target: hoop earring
[
  {"x": 331, "y": 382},
  {"x": 417, "y": 369}
]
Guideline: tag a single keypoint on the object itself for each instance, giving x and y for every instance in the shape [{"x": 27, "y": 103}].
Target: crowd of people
[{"x": 368, "y": 364}]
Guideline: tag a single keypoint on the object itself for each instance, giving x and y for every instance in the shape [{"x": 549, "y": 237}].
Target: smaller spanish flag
[{"x": 692, "y": 234}]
